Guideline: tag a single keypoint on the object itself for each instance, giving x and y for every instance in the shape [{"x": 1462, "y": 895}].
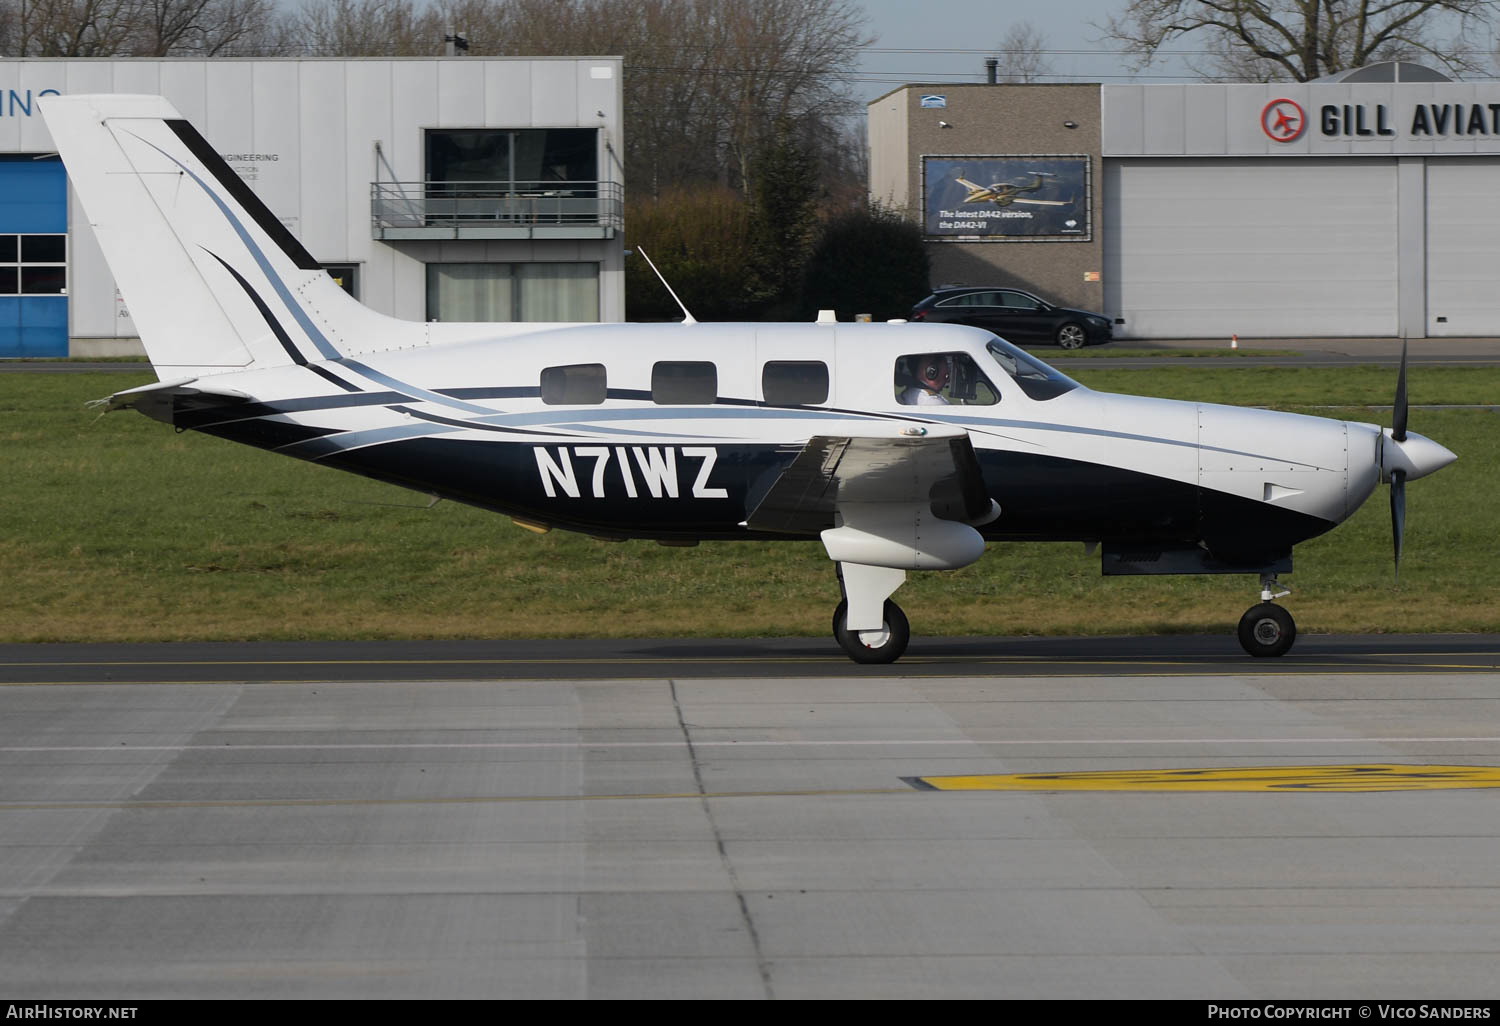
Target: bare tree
[
  {"x": 203, "y": 28},
  {"x": 10, "y": 28},
  {"x": 139, "y": 28},
  {"x": 1022, "y": 55},
  {"x": 1299, "y": 40},
  {"x": 705, "y": 80},
  {"x": 71, "y": 28},
  {"x": 368, "y": 28},
  {"x": 782, "y": 59}
]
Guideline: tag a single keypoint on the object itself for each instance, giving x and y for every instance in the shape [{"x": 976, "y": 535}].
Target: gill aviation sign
[
  {"x": 1314, "y": 118},
  {"x": 1283, "y": 120}
]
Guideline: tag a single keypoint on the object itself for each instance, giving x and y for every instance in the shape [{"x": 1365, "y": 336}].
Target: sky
[{"x": 948, "y": 40}]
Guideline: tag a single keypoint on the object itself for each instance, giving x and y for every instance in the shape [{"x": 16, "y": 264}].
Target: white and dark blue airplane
[{"x": 900, "y": 446}]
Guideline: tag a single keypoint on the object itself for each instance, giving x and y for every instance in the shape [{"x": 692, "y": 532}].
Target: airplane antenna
[{"x": 687, "y": 318}]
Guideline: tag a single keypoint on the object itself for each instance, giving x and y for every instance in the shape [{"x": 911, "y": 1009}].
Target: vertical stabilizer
[{"x": 214, "y": 281}]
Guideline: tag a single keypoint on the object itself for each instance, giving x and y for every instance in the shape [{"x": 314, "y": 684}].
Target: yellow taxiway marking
[{"x": 1367, "y": 777}]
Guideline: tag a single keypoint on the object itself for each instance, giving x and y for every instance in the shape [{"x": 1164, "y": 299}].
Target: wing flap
[{"x": 937, "y": 467}]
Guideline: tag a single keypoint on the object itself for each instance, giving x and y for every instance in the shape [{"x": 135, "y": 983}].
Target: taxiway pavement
[{"x": 465, "y": 826}]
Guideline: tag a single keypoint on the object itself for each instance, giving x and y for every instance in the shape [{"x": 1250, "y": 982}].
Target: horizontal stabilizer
[{"x": 157, "y": 400}]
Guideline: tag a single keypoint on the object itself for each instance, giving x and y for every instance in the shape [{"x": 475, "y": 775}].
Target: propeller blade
[
  {"x": 1398, "y": 415},
  {"x": 1398, "y": 513}
]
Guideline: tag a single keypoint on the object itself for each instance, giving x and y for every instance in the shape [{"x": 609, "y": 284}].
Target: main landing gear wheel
[
  {"x": 882, "y": 646},
  {"x": 1267, "y": 630}
]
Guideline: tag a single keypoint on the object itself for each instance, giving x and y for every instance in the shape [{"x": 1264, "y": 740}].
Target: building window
[
  {"x": 33, "y": 265},
  {"x": 519, "y": 176},
  {"x": 557, "y": 292},
  {"x": 794, "y": 383},
  {"x": 529, "y": 159},
  {"x": 513, "y": 292},
  {"x": 346, "y": 276},
  {"x": 684, "y": 383}
]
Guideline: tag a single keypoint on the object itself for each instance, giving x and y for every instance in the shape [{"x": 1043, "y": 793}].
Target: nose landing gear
[{"x": 1268, "y": 629}]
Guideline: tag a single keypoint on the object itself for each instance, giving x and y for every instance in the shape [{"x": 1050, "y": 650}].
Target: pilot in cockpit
[{"x": 932, "y": 372}]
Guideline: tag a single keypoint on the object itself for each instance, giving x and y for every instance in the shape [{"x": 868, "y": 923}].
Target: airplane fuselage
[{"x": 478, "y": 422}]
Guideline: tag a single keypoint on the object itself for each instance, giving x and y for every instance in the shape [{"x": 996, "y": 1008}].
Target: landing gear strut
[{"x": 1267, "y": 629}]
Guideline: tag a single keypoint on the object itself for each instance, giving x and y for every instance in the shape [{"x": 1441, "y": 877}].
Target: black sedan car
[{"x": 1015, "y": 316}]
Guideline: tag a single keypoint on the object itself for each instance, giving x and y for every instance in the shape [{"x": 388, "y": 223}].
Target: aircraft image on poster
[
  {"x": 995, "y": 198},
  {"x": 898, "y": 447},
  {"x": 1003, "y": 194}
]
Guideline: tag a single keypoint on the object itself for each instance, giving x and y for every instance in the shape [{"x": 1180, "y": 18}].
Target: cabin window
[
  {"x": 794, "y": 383},
  {"x": 942, "y": 379},
  {"x": 580, "y": 384},
  {"x": 1037, "y": 380},
  {"x": 684, "y": 383}
]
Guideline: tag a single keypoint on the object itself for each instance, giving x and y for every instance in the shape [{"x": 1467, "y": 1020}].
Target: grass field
[{"x": 117, "y": 528}]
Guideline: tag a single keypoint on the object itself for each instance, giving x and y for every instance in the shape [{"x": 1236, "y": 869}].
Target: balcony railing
[{"x": 496, "y": 210}]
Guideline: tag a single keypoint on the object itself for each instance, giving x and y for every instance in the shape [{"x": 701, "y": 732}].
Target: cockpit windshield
[{"x": 1036, "y": 379}]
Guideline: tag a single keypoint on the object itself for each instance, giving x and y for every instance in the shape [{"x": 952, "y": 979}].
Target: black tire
[
  {"x": 1072, "y": 336},
  {"x": 898, "y": 634},
  {"x": 1267, "y": 630}
]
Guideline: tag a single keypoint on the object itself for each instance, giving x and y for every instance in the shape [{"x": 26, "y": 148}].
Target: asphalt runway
[
  {"x": 635, "y": 658},
  {"x": 992, "y": 818}
]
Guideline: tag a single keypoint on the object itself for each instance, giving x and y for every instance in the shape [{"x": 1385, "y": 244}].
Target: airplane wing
[{"x": 937, "y": 467}]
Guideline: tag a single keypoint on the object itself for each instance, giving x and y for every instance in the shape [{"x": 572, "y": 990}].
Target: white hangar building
[
  {"x": 1365, "y": 204},
  {"x": 455, "y": 189}
]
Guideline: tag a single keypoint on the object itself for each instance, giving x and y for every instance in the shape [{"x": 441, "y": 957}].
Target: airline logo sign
[
  {"x": 1283, "y": 120},
  {"x": 635, "y": 471}
]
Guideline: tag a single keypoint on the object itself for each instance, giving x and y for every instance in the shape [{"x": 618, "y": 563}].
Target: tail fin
[{"x": 213, "y": 280}]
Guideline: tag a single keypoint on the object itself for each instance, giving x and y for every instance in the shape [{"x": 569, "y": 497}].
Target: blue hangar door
[{"x": 33, "y": 257}]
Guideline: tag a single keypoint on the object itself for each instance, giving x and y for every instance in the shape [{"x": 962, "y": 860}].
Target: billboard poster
[{"x": 1005, "y": 198}]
